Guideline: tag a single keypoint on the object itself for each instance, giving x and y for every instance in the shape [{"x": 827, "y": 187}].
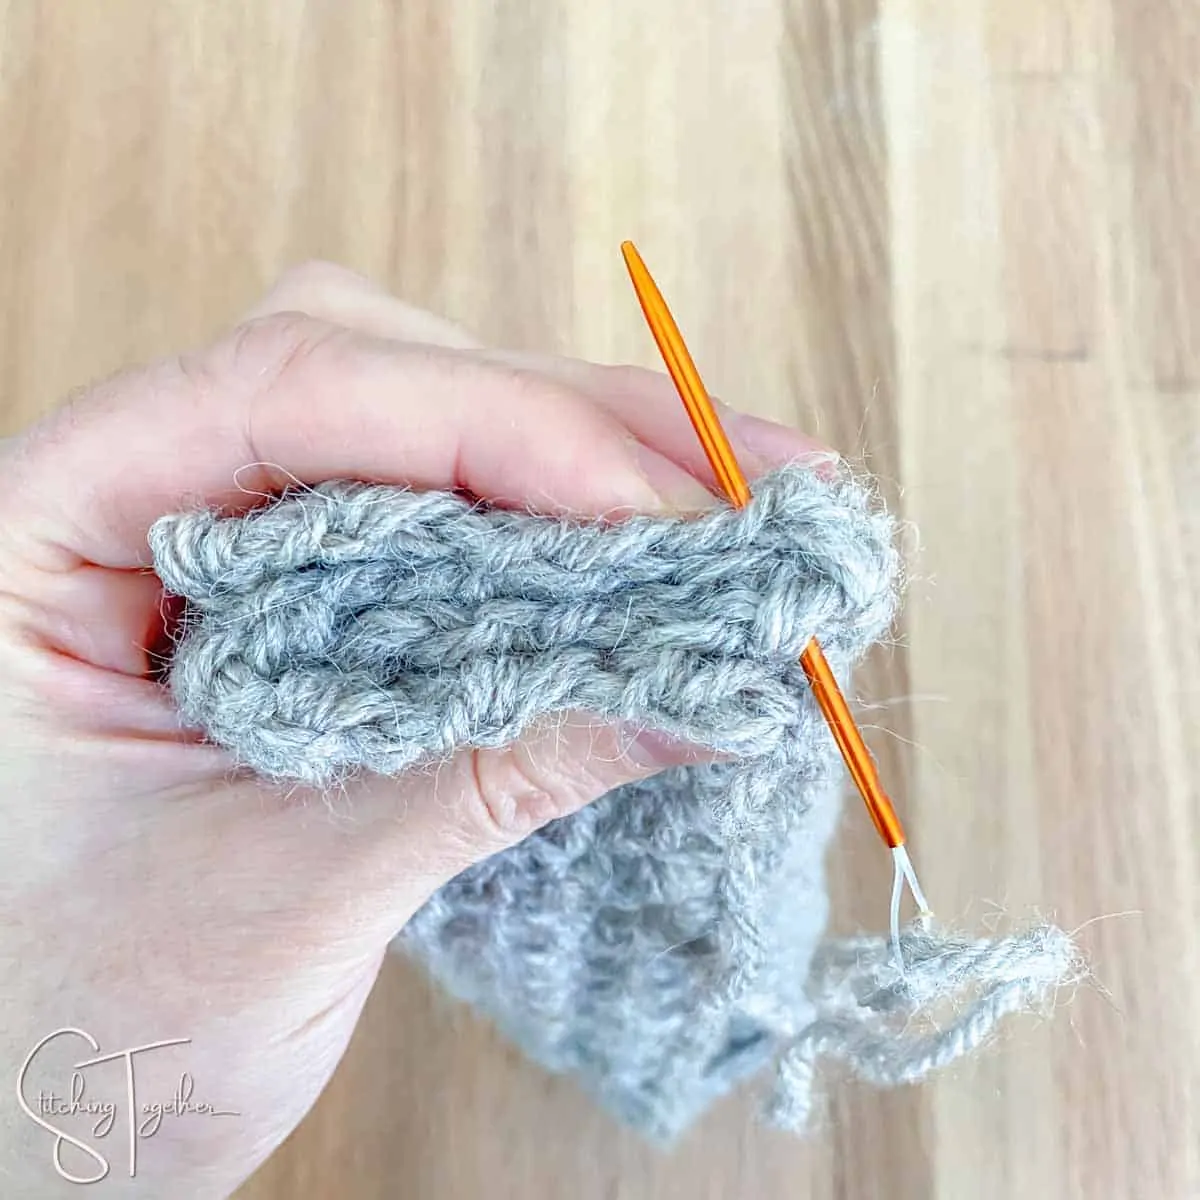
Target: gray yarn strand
[
  {"x": 365, "y": 627},
  {"x": 879, "y": 1020},
  {"x": 657, "y": 944}
]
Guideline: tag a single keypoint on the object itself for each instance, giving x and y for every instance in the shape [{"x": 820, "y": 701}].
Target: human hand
[{"x": 150, "y": 893}]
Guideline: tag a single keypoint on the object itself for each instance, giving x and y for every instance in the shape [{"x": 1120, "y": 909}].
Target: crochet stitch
[{"x": 660, "y": 943}]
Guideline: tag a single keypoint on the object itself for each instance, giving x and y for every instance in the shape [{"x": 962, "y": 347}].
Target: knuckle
[
  {"x": 313, "y": 277},
  {"x": 262, "y": 365},
  {"x": 513, "y": 796},
  {"x": 265, "y": 350}
]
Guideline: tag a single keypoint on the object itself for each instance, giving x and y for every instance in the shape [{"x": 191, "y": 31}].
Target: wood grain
[{"x": 957, "y": 241}]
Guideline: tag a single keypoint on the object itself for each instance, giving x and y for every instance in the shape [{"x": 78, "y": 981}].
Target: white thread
[{"x": 902, "y": 872}]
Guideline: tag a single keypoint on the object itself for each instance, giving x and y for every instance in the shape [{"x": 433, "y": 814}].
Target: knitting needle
[{"x": 825, "y": 688}]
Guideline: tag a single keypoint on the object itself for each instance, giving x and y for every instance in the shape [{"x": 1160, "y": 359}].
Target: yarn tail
[{"x": 894, "y": 1010}]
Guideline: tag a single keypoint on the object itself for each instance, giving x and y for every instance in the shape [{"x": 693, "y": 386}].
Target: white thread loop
[{"x": 903, "y": 872}]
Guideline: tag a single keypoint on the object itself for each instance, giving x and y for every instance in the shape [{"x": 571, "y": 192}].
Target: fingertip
[
  {"x": 653, "y": 750},
  {"x": 763, "y": 445}
]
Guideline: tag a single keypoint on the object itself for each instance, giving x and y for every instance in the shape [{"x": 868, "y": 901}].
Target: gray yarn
[
  {"x": 880, "y": 1020},
  {"x": 657, "y": 944}
]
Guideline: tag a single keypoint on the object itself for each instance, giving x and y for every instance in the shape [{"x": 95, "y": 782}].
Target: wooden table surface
[{"x": 956, "y": 240}]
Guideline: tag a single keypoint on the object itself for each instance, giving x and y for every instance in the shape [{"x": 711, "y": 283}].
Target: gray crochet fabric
[{"x": 660, "y": 943}]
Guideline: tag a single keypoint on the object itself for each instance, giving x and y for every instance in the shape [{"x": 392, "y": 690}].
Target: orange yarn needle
[{"x": 724, "y": 464}]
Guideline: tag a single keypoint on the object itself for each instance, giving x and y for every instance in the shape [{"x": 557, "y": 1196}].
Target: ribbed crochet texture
[{"x": 660, "y": 943}]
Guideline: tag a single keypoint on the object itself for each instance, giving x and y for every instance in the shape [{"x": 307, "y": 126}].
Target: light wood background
[{"x": 957, "y": 239}]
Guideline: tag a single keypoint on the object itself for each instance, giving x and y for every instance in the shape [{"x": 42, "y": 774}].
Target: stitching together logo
[{"x": 144, "y": 1120}]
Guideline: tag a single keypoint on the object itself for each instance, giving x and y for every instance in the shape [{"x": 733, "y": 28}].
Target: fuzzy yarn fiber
[{"x": 664, "y": 942}]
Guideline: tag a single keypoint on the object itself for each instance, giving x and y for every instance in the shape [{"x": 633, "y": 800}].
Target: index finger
[{"x": 293, "y": 396}]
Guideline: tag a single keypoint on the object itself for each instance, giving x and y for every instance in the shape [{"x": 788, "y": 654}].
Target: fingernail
[
  {"x": 767, "y": 444},
  {"x": 676, "y": 490},
  {"x": 655, "y": 750}
]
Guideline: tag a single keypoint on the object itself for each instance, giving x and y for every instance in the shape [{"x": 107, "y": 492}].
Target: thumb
[
  {"x": 495, "y": 798},
  {"x": 407, "y": 837}
]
